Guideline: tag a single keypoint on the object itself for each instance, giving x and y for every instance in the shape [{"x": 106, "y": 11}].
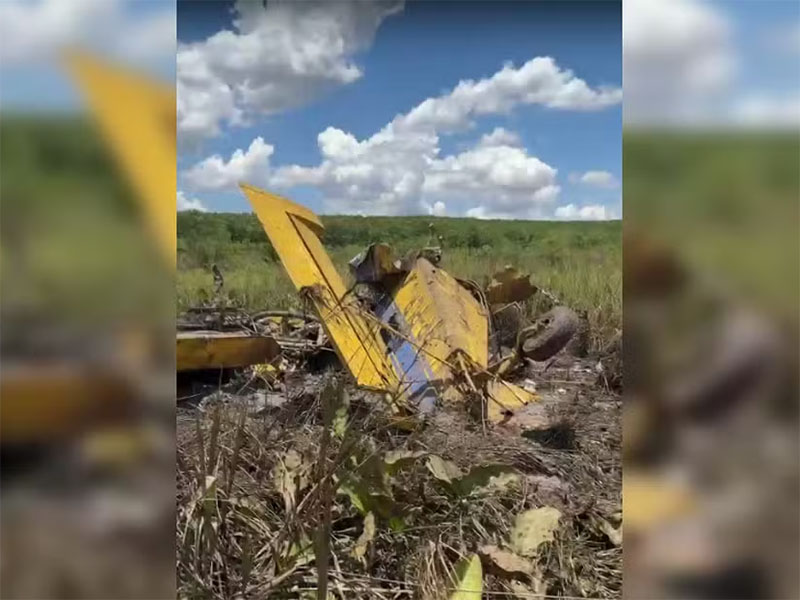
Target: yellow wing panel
[
  {"x": 137, "y": 117},
  {"x": 294, "y": 233},
  {"x": 217, "y": 350},
  {"x": 443, "y": 316}
]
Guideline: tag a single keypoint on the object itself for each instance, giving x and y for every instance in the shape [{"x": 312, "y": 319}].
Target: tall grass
[{"x": 586, "y": 279}]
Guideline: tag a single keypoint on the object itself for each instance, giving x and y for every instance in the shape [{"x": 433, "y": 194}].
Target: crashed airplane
[{"x": 421, "y": 336}]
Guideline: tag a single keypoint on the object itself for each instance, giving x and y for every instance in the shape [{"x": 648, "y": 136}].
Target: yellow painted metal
[
  {"x": 45, "y": 401},
  {"x": 137, "y": 117},
  {"x": 444, "y": 318},
  {"x": 216, "y": 350},
  {"x": 650, "y": 500},
  {"x": 504, "y": 398},
  {"x": 294, "y": 232}
]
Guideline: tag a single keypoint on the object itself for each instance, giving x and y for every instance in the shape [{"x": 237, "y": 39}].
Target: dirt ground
[{"x": 249, "y": 524}]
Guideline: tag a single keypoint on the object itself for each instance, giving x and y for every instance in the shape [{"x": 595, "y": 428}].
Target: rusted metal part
[
  {"x": 219, "y": 349},
  {"x": 510, "y": 285},
  {"x": 374, "y": 264}
]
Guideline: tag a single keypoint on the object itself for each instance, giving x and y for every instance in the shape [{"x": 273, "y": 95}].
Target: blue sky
[
  {"x": 424, "y": 51},
  {"x": 32, "y": 32},
  {"x": 335, "y": 79}
]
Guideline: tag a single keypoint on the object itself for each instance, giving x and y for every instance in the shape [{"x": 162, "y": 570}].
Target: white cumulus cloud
[
  {"x": 677, "y": 58},
  {"x": 36, "y": 30},
  {"x": 184, "y": 203},
  {"x": 400, "y": 169},
  {"x": 507, "y": 181},
  {"x": 766, "y": 112},
  {"x": 215, "y": 173},
  {"x": 538, "y": 81},
  {"x": 279, "y": 55},
  {"x": 600, "y": 179},
  {"x": 589, "y": 212}
]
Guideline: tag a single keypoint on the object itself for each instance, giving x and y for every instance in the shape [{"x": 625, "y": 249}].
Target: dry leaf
[
  {"x": 444, "y": 470},
  {"x": 507, "y": 562},
  {"x": 532, "y": 528},
  {"x": 396, "y": 460},
  {"x": 360, "y": 549},
  {"x": 614, "y": 534}
]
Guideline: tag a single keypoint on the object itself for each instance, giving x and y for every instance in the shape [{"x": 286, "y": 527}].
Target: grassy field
[{"x": 579, "y": 262}]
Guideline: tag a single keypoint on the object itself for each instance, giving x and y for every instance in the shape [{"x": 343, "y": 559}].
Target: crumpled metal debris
[
  {"x": 510, "y": 285},
  {"x": 213, "y": 337},
  {"x": 375, "y": 264},
  {"x": 424, "y": 339}
]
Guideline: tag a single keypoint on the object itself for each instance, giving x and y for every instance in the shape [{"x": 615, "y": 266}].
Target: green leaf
[
  {"x": 532, "y": 528},
  {"x": 443, "y": 470},
  {"x": 367, "y": 534},
  {"x": 300, "y": 551},
  {"x": 396, "y": 460},
  {"x": 469, "y": 579},
  {"x": 397, "y": 524},
  {"x": 358, "y": 497},
  {"x": 290, "y": 476},
  {"x": 365, "y": 501},
  {"x": 484, "y": 475}
]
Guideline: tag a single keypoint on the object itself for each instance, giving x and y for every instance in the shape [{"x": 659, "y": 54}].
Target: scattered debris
[
  {"x": 509, "y": 285},
  {"x": 453, "y": 443}
]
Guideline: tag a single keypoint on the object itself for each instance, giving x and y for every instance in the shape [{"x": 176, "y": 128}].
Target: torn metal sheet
[
  {"x": 374, "y": 264},
  {"x": 509, "y": 285},
  {"x": 503, "y": 399},
  {"x": 443, "y": 317},
  {"x": 223, "y": 350}
]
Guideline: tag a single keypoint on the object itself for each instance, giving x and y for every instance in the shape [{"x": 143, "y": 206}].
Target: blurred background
[
  {"x": 711, "y": 154},
  {"x": 711, "y": 186},
  {"x": 86, "y": 301}
]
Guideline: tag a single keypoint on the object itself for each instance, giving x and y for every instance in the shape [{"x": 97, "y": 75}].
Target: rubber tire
[{"x": 549, "y": 334}]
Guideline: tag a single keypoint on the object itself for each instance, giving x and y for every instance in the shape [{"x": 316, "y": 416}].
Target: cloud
[
  {"x": 214, "y": 173},
  {"x": 500, "y": 137},
  {"x": 400, "y": 169},
  {"x": 184, "y": 203},
  {"x": 538, "y": 81},
  {"x": 437, "y": 209},
  {"x": 509, "y": 182},
  {"x": 768, "y": 112},
  {"x": 35, "y": 31},
  {"x": 280, "y": 55},
  {"x": 589, "y": 212},
  {"x": 677, "y": 59},
  {"x": 600, "y": 179}
]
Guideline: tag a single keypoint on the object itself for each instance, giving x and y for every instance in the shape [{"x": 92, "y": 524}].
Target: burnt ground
[{"x": 258, "y": 471}]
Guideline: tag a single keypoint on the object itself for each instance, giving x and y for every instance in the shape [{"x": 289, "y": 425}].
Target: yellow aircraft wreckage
[
  {"x": 56, "y": 397},
  {"x": 425, "y": 339}
]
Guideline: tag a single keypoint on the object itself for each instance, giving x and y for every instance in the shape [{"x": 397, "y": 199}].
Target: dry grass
[
  {"x": 256, "y": 491},
  {"x": 589, "y": 281}
]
